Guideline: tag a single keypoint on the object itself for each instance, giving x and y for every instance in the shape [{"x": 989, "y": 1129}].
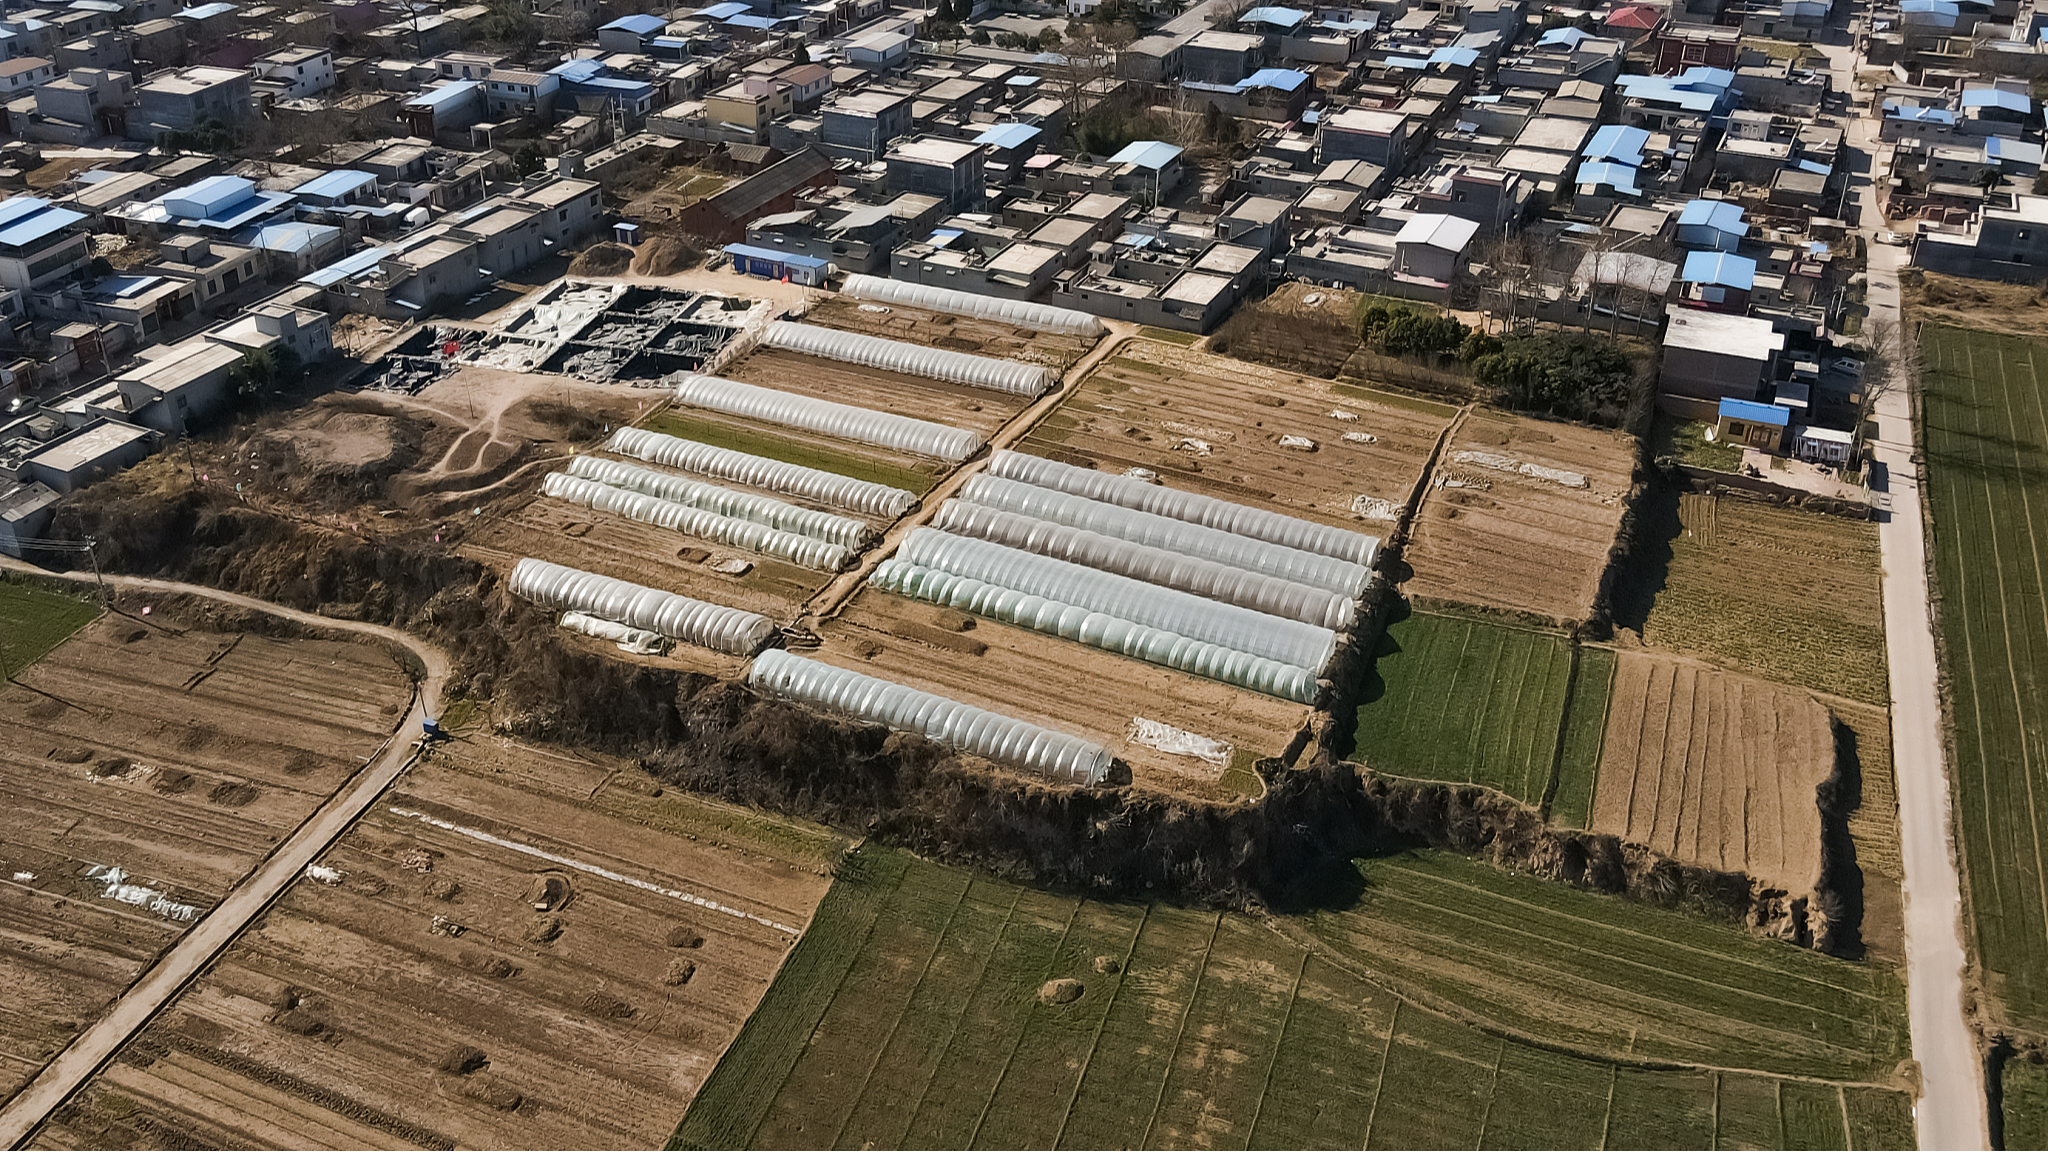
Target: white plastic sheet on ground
[
  {"x": 1023, "y": 313},
  {"x": 865, "y": 425},
  {"x": 1502, "y": 463},
  {"x": 713, "y": 626},
  {"x": 1261, "y": 634},
  {"x": 783, "y": 517},
  {"x": 816, "y": 485},
  {"x": 1178, "y": 741},
  {"x": 639, "y": 641},
  {"x": 990, "y": 372},
  {"x": 806, "y": 551},
  {"x": 950, "y": 722},
  {"x": 1257, "y": 523},
  {"x": 1212, "y": 544},
  {"x": 1098, "y": 630},
  {"x": 1205, "y": 578}
]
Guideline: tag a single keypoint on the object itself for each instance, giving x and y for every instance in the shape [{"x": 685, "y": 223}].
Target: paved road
[
  {"x": 1952, "y": 1111},
  {"x": 219, "y": 927}
]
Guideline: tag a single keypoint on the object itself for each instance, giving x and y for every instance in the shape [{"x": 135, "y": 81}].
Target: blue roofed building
[
  {"x": 1711, "y": 224},
  {"x": 1009, "y": 144},
  {"x": 1695, "y": 98},
  {"x": 1717, "y": 282},
  {"x": 337, "y": 188},
  {"x": 1903, "y": 121},
  {"x": 218, "y": 204},
  {"x": 1995, "y": 111},
  {"x": 1750, "y": 424},
  {"x": 450, "y": 107},
  {"x": 1149, "y": 167},
  {"x": 1618, "y": 143},
  {"x": 630, "y": 33},
  {"x": 41, "y": 245},
  {"x": 588, "y": 86}
]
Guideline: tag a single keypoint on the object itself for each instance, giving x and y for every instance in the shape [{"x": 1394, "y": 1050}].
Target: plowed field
[{"x": 941, "y": 330}]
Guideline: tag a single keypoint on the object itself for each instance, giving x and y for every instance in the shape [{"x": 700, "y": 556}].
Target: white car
[
  {"x": 1847, "y": 366},
  {"x": 1887, "y": 236}
]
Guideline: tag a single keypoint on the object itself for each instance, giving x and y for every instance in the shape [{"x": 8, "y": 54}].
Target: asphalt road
[
  {"x": 219, "y": 927},
  {"x": 1952, "y": 1111}
]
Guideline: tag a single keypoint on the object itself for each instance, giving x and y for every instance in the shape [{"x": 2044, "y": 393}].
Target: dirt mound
[
  {"x": 684, "y": 936},
  {"x": 232, "y": 793},
  {"x": 107, "y": 766},
  {"x": 544, "y": 930},
  {"x": 352, "y": 442},
  {"x": 45, "y": 708},
  {"x": 666, "y": 256},
  {"x": 443, "y": 888},
  {"x": 678, "y": 972},
  {"x": 172, "y": 782},
  {"x": 464, "y": 1059},
  {"x": 197, "y": 736},
  {"x": 601, "y": 259},
  {"x": 71, "y": 755},
  {"x": 496, "y": 967},
  {"x": 1064, "y": 990},
  {"x": 300, "y": 1021},
  {"x": 548, "y": 892},
  {"x": 1108, "y": 965},
  {"x": 301, "y": 762},
  {"x": 608, "y": 1006},
  {"x": 492, "y": 1094}
]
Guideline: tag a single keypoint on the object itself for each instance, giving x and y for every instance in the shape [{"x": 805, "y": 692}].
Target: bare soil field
[
  {"x": 945, "y": 330},
  {"x": 179, "y": 758},
  {"x": 1062, "y": 685},
  {"x": 954, "y": 405},
  {"x": 2013, "y": 309},
  {"x": 1715, "y": 769},
  {"x": 517, "y": 948},
  {"x": 1494, "y": 532},
  {"x": 1214, "y": 425}
]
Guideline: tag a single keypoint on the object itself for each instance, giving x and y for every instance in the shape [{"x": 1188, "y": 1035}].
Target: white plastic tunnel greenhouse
[
  {"x": 712, "y": 626},
  {"x": 1023, "y": 313},
  {"x": 1097, "y": 630},
  {"x": 977, "y": 731},
  {"x": 1257, "y": 523},
  {"x": 1204, "y": 578},
  {"x": 815, "y": 485},
  {"x": 1212, "y": 544},
  {"x": 1241, "y": 629},
  {"x": 840, "y": 530},
  {"x": 992, "y": 373},
  {"x": 865, "y": 425},
  {"x": 805, "y": 551}
]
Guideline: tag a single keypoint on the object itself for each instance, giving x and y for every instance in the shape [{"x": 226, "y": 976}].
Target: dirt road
[
  {"x": 1952, "y": 1109},
  {"x": 212, "y": 934}
]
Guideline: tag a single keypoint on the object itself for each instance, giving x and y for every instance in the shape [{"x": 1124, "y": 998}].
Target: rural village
[{"x": 1149, "y": 573}]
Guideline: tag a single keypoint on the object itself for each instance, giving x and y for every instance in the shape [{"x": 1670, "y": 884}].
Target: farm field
[
  {"x": 932, "y": 1007},
  {"x": 1060, "y": 684},
  {"x": 1214, "y": 424},
  {"x": 1789, "y": 596},
  {"x": 1492, "y": 532},
  {"x": 1714, "y": 769},
  {"x": 2026, "y": 1104},
  {"x": 1987, "y": 452},
  {"x": 178, "y": 758},
  {"x": 1585, "y": 730},
  {"x": 1465, "y": 700},
  {"x": 518, "y": 948},
  {"x": 914, "y": 325},
  {"x": 982, "y": 410},
  {"x": 35, "y": 620}
]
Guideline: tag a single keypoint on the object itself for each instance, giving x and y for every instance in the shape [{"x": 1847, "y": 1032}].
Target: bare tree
[
  {"x": 1890, "y": 363},
  {"x": 1510, "y": 276}
]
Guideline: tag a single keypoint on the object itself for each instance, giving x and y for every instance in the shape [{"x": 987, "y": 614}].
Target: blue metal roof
[
  {"x": 1617, "y": 142},
  {"x": 577, "y": 69},
  {"x": 1896, "y": 111},
  {"x": 333, "y": 184},
  {"x": 1007, "y": 136},
  {"x": 1997, "y": 98},
  {"x": 293, "y": 238},
  {"x": 1284, "y": 17},
  {"x": 2018, "y": 151},
  {"x": 219, "y": 7},
  {"x": 446, "y": 94},
  {"x": 1770, "y": 414},
  {"x": 1567, "y": 36},
  {"x": 752, "y": 21},
  {"x": 1455, "y": 56},
  {"x": 1724, "y": 269},
  {"x": 1947, "y": 8},
  {"x": 27, "y": 219},
  {"x": 790, "y": 258},
  {"x": 1285, "y": 79},
  {"x": 346, "y": 267},
  {"x": 1147, "y": 154},
  {"x": 640, "y": 25},
  {"x": 721, "y": 11},
  {"x": 613, "y": 83},
  {"x": 1620, "y": 177},
  {"x": 1720, "y": 215},
  {"x": 1416, "y": 63},
  {"x": 1816, "y": 168}
]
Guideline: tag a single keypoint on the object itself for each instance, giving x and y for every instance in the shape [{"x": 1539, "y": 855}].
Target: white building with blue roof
[
  {"x": 41, "y": 245},
  {"x": 1711, "y": 224}
]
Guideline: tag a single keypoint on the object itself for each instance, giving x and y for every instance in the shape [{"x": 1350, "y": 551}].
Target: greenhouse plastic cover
[
  {"x": 1097, "y": 630},
  {"x": 1287, "y": 641},
  {"x": 1327, "y": 572},
  {"x": 988, "y": 372},
  {"x": 845, "y": 421},
  {"x": 640, "y": 641},
  {"x": 677, "y": 617},
  {"x": 840, "y": 530},
  {"x": 949, "y": 722},
  {"x": 807, "y": 551},
  {"x": 1204, "y": 578},
  {"x": 1044, "y": 317},
  {"x": 813, "y": 484},
  {"x": 1192, "y": 507}
]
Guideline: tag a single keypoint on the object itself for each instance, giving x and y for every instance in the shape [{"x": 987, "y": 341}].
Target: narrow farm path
[{"x": 208, "y": 938}]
